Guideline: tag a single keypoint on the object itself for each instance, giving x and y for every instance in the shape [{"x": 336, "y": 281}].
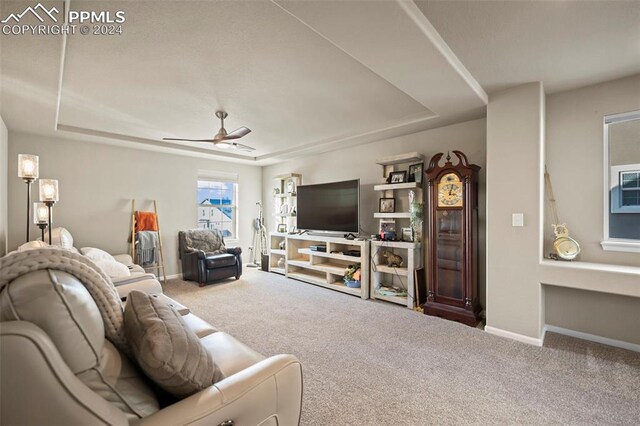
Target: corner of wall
[{"x": 4, "y": 186}]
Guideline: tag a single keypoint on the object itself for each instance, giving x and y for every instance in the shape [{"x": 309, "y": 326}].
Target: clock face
[{"x": 450, "y": 191}]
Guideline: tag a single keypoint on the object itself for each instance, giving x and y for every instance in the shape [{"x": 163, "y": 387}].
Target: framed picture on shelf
[
  {"x": 387, "y": 205},
  {"x": 398, "y": 177},
  {"x": 387, "y": 226},
  {"x": 415, "y": 172},
  {"x": 291, "y": 187},
  {"x": 282, "y": 228},
  {"x": 406, "y": 234}
]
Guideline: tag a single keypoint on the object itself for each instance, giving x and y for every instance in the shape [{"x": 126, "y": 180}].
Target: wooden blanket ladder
[{"x": 158, "y": 268}]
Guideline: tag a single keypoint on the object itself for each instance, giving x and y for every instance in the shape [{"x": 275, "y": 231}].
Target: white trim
[
  {"x": 619, "y": 244},
  {"x": 592, "y": 338},
  {"x": 422, "y": 22},
  {"x": 607, "y": 120},
  {"x": 173, "y": 277},
  {"x": 217, "y": 176},
  {"x": 514, "y": 336},
  {"x": 616, "y": 188}
]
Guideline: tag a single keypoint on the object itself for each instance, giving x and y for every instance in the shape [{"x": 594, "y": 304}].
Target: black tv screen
[{"x": 329, "y": 206}]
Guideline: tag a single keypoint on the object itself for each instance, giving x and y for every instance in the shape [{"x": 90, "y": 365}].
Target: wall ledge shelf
[
  {"x": 398, "y": 215},
  {"x": 599, "y": 277},
  {"x": 392, "y": 186}
]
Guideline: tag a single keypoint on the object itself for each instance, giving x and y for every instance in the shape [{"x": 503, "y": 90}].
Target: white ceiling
[
  {"x": 564, "y": 44},
  {"x": 306, "y": 77}
]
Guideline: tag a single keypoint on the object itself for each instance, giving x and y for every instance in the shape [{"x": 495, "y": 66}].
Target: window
[
  {"x": 217, "y": 205},
  {"x": 622, "y": 182},
  {"x": 625, "y": 189}
]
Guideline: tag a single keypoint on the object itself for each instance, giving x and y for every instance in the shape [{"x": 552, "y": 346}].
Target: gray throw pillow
[{"x": 165, "y": 348}]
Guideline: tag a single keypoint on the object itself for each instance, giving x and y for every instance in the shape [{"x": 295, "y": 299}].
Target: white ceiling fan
[{"x": 222, "y": 139}]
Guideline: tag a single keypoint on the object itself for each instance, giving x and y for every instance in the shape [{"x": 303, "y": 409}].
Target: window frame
[
  {"x": 223, "y": 178},
  {"x": 614, "y": 244},
  {"x": 617, "y": 190}
]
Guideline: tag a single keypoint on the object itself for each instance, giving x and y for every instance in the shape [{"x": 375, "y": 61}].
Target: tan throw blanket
[{"x": 97, "y": 282}]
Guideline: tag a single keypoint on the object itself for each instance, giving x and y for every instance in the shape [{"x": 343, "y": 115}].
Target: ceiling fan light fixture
[{"x": 223, "y": 145}]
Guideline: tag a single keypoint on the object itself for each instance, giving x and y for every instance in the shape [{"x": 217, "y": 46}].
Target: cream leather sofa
[{"x": 57, "y": 368}]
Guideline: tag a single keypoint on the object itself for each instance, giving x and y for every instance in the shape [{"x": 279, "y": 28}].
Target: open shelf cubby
[
  {"x": 276, "y": 253},
  {"x": 322, "y": 268}
]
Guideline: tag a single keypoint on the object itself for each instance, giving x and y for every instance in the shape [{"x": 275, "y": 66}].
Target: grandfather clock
[{"x": 452, "y": 246}]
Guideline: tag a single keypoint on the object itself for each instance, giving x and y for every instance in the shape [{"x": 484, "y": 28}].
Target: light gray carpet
[{"x": 373, "y": 363}]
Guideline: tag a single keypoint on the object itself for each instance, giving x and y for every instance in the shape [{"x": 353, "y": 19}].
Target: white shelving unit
[
  {"x": 325, "y": 269},
  {"x": 276, "y": 253},
  {"x": 411, "y": 251},
  {"x": 403, "y": 276},
  {"x": 286, "y": 187}
]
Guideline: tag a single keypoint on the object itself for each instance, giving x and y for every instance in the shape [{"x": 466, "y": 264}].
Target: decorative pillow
[
  {"x": 60, "y": 237},
  {"x": 32, "y": 245},
  {"x": 113, "y": 268},
  {"x": 166, "y": 349},
  {"x": 96, "y": 254}
]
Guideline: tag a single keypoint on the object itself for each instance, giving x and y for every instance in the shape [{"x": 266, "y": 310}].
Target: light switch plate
[{"x": 517, "y": 219}]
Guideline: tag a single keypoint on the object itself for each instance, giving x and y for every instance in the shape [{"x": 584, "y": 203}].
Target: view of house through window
[{"x": 217, "y": 207}]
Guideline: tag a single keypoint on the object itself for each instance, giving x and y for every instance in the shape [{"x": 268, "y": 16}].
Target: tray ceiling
[{"x": 304, "y": 76}]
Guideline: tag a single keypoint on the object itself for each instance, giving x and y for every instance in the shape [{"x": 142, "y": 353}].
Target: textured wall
[
  {"x": 4, "y": 174},
  {"x": 360, "y": 162},
  {"x": 97, "y": 183},
  {"x": 515, "y": 119},
  {"x": 574, "y": 146}
]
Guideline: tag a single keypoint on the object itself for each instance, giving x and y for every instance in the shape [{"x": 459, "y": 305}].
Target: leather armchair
[
  {"x": 53, "y": 354},
  {"x": 204, "y": 261}
]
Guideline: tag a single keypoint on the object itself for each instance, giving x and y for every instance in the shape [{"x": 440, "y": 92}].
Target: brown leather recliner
[{"x": 205, "y": 258}]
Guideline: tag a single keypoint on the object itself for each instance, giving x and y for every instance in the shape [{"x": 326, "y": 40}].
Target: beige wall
[
  {"x": 515, "y": 120},
  {"x": 360, "y": 162},
  {"x": 4, "y": 165},
  {"x": 600, "y": 314},
  {"x": 97, "y": 183},
  {"x": 574, "y": 146},
  {"x": 524, "y": 294}
]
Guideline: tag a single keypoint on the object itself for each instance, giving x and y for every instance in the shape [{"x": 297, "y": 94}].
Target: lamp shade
[
  {"x": 28, "y": 166},
  {"x": 48, "y": 190},
  {"x": 40, "y": 213}
]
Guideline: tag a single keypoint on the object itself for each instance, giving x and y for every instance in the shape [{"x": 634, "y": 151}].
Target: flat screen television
[{"x": 330, "y": 206}]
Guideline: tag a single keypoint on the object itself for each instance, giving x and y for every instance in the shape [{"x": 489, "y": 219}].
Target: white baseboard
[
  {"x": 593, "y": 338},
  {"x": 515, "y": 336},
  {"x": 174, "y": 276}
]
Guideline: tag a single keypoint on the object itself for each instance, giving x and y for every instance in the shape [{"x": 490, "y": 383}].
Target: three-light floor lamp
[{"x": 49, "y": 196}]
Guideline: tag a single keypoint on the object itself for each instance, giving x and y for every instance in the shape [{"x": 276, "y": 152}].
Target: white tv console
[{"x": 325, "y": 269}]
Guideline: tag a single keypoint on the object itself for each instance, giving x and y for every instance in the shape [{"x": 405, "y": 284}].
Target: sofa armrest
[
  {"x": 125, "y": 259},
  {"x": 200, "y": 254},
  {"x": 234, "y": 250},
  {"x": 32, "y": 371},
  {"x": 271, "y": 388}
]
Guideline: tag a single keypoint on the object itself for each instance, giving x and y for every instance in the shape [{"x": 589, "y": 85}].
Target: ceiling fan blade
[
  {"x": 238, "y": 133},
  {"x": 188, "y": 140},
  {"x": 243, "y": 147}
]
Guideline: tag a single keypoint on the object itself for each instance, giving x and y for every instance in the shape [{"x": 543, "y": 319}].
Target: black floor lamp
[
  {"x": 28, "y": 171},
  {"x": 41, "y": 216},
  {"x": 49, "y": 196}
]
